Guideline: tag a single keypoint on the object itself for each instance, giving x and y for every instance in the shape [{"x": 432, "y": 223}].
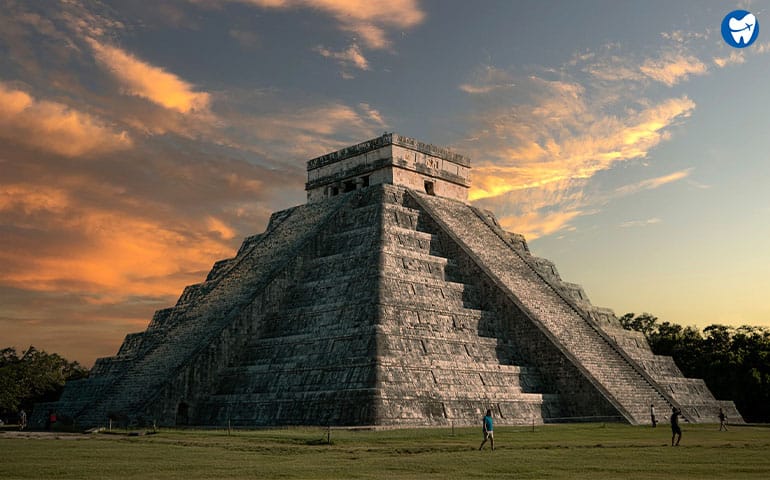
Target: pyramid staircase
[{"x": 442, "y": 358}]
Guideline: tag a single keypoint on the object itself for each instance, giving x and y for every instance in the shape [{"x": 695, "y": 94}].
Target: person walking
[
  {"x": 652, "y": 416},
  {"x": 676, "y": 431},
  {"x": 487, "y": 425},
  {"x": 722, "y": 420},
  {"x": 22, "y": 419}
]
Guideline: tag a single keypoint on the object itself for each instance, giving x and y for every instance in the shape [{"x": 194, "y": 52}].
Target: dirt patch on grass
[{"x": 34, "y": 435}]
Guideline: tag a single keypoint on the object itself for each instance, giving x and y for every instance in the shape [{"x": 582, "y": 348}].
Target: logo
[{"x": 740, "y": 28}]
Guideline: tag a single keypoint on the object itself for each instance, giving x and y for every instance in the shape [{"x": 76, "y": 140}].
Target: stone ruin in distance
[{"x": 386, "y": 300}]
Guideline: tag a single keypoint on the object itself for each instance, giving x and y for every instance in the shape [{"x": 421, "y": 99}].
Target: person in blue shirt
[{"x": 488, "y": 427}]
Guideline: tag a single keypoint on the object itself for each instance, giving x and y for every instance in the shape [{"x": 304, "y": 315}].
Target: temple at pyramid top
[{"x": 391, "y": 159}]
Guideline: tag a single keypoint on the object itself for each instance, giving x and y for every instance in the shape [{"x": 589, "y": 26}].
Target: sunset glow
[{"x": 140, "y": 142}]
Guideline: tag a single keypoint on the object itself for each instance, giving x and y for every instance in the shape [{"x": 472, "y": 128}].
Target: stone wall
[{"x": 391, "y": 159}]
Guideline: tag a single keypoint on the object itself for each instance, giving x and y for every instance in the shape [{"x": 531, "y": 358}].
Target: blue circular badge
[{"x": 740, "y": 28}]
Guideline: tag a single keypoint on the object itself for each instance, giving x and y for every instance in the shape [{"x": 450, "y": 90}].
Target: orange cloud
[
  {"x": 141, "y": 79},
  {"x": 30, "y": 199},
  {"x": 368, "y": 19},
  {"x": 118, "y": 255},
  {"x": 55, "y": 127},
  {"x": 672, "y": 68},
  {"x": 91, "y": 249},
  {"x": 541, "y": 209},
  {"x": 558, "y": 155},
  {"x": 535, "y": 224},
  {"x": 219, "y": 227},
  {"x": 538, "y": 146}
]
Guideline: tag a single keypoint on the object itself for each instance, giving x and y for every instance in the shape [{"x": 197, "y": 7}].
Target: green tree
[
  {"x": 35, "y": 376},
  {"x": 734, "y": 362},
  {"x": 644, "y": 323},
  {"x": 10, "y": 384}
]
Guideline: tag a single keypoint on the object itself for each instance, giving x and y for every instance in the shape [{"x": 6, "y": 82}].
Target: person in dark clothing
[
  {"x": 652, "y": 416},
  {"x": 487, "y": 428},
  {"x": 676, "y": 431},
  {"x": 50, "y": 420},
  {"x": 23, "y": 419},
  {"x": 722, "y": 420}
]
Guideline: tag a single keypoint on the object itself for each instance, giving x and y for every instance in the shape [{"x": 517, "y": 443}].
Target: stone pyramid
[{"x": 386, "y": 300}]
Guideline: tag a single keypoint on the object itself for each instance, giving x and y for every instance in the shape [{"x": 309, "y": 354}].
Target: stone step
[
  {"x": 357, "y": 310},
  {"x": 401, "y": 216},
  {"x": 431, "y": 298},
  {"x": 358, "y": 216},
  {"x": 408, "y": 276},
  {"x": 431, "y": 346},
  {"x": 284, "y": 379},
  {"x": 350, "y": 288},
  {"x": 414, "y": 263},
  {"x": 355, "y": 261},
  {"x": 399, "y": 238}
]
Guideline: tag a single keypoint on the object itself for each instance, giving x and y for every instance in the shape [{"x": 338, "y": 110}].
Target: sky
[{"x": 140, "y": 142}]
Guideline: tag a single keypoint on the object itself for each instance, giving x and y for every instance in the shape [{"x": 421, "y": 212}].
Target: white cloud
[
  {"x": 640, "y": 223},
  {"x": 653, "y": 183},
  {"x": 246, "y": 38},
  {"x": 488, "y": 79},
  {"x": 682, "y": 36},
  {"x": 347, "y": 58}
]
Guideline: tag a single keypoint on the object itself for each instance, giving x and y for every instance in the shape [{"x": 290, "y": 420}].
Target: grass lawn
[{"x": 592, "y": 451}]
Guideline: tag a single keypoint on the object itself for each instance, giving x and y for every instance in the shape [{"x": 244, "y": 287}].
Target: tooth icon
[{"x": 742, "y": 30}]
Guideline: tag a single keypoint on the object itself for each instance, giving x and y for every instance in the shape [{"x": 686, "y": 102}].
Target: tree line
[
  {"x": 31, "y": 377},
  {"x": 733, "y": 361}
]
